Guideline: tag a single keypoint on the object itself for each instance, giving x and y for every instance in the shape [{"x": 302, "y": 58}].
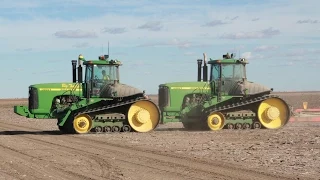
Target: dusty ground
[{"x": 34, "y": 149}]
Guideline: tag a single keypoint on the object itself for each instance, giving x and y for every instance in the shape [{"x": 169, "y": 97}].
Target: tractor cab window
[
  {"x": 215, "y": 72},
  {"x": 228, "y": 71},
  {"x": 233, "y": 71},
  {"x": 105, "y": 73},
  {"x": 88, "y": 73},
  {"x": 101, "y": 73}
]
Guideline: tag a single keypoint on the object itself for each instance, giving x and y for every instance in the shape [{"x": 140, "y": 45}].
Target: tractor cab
[
  {"x": 98, "y": 73},
  {"x": 228, "y": 78},
  {"x": 227, "y": 74},
  {"x": 228, "y": 68}
]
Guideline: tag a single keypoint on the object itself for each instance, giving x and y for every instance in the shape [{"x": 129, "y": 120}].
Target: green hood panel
[{"x": 64, "y": 86}]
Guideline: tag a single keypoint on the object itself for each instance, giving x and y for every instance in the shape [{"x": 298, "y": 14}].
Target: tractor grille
[
  {"x": 163, "y": 96},
  {"x": 33, "y": 98}
]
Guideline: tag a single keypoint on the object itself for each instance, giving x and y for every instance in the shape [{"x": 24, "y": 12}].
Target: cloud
[
  {"x": 265, "y": 48},
  {"x": 182, "y": 44},
  {"x": 18, "y": 69},
  {"x": 173, "y": 42},
  {"x": 234, "y": 18},
  {"x": 168, "y": 22},
  {"x": 301, "y": 52},
  {"x": 246, "y": 55},
  {"x": 24, "y": 49},
  {"x": 250, "y": 55},
  {"x": 19, "y": 4},
  {"x": 75, "y": 34},
  {"x": 189, "y": 54},
  {"x": 255, "y": 19},
  {"x": 120, "y": 53},
  {"x": 139, "y": 64},
  {"x": 152, "y": 26},
  {"x": 308, "y": 21},
  {"x": 48, "y": 72},
  {"x": 214, "y": 23},
  {"x": 265, "y": 33},
  {"x": 286, "y": 64},
  {"x": 143, "y": 72},
  {"x": 118, "y": 30},
  {"x": 81, "y": 45},
  {"x": 32, "y": 25},
  {"x": 235, "y": 49}
]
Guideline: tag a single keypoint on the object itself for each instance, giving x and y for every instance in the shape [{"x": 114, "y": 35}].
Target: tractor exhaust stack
[
  {"x": 80, "y": 58},
  {"x": 199, "y": 69},
  {"x": 205, "y": 68},
  {"x": 74, "y": 71},
  {"x": 79, "y": 73}
]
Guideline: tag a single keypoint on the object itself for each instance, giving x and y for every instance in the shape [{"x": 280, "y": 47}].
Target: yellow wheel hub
[
  {"x": 273, "y": 113},
  {"x": 82, "y": 123},
  {"x": 143, "y": 116},
  {"x": 216, "y": 121}
]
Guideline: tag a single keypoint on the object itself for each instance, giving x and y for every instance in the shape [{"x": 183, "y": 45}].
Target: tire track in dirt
[
  {"x": 216, "y": 169},
  {"x": 4, "y": 175},
  {"x": 40, "y": 166},
  {"x": 185, "y": 166},
  {"x": 27, "y": 163},
  {"x": 125, "y": 160}
]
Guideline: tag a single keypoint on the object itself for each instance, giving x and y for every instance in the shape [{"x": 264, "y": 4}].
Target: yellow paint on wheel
[
  {"x": 273, "y": 113},
  {"x": 143, "y": 116},
  {"x": 82, "y": 123},
  {"x": 216, "y": 121}
]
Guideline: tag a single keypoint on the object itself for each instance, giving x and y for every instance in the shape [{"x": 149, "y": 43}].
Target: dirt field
[{"x": 34, "y": 149}]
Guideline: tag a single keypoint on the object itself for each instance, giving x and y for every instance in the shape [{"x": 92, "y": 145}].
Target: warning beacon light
[{"x": 103, "y": 57}]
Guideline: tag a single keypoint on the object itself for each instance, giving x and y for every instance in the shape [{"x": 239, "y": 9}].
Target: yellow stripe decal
[
  {"x": 60, "y": 89},
  {"x": 189, "y": 88}
]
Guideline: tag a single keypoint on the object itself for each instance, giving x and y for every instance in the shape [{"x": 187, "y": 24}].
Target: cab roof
[
  {"x": 103, "y": 60},
  {"x": 228, "y": 61}
]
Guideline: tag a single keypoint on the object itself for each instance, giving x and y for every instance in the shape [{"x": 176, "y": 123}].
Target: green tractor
[
  {"x": 225, "y": 101},
  {"x": 100, "y": 103}
]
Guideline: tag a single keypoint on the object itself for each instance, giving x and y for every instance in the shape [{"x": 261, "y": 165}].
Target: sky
[{"x": 159, "y": 41}]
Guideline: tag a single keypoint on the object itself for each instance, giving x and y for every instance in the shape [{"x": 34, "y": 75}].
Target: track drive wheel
[
  {"x": 273, "y": 113},
  {"x": 216, "y": 121},
  {"x": 143, "y": 116},
  {"x": 82, "y": 123}
]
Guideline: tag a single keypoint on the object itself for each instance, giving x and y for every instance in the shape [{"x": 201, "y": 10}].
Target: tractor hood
[
  {"x": 255, "y": 88},
  {"x": 118, "y": 90},
  {"x": 61, "y": 86},
  {"x": 246, "y": 87}
]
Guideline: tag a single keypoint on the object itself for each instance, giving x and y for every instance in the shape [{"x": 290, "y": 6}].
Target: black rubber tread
[
  {"x": 115, "y": 104},
  {"x": 240, "y": 106}
]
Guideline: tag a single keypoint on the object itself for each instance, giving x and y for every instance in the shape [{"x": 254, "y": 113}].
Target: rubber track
[
  {"x": 238, "y": 104},
  {"x": 102, "y": 108}
]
